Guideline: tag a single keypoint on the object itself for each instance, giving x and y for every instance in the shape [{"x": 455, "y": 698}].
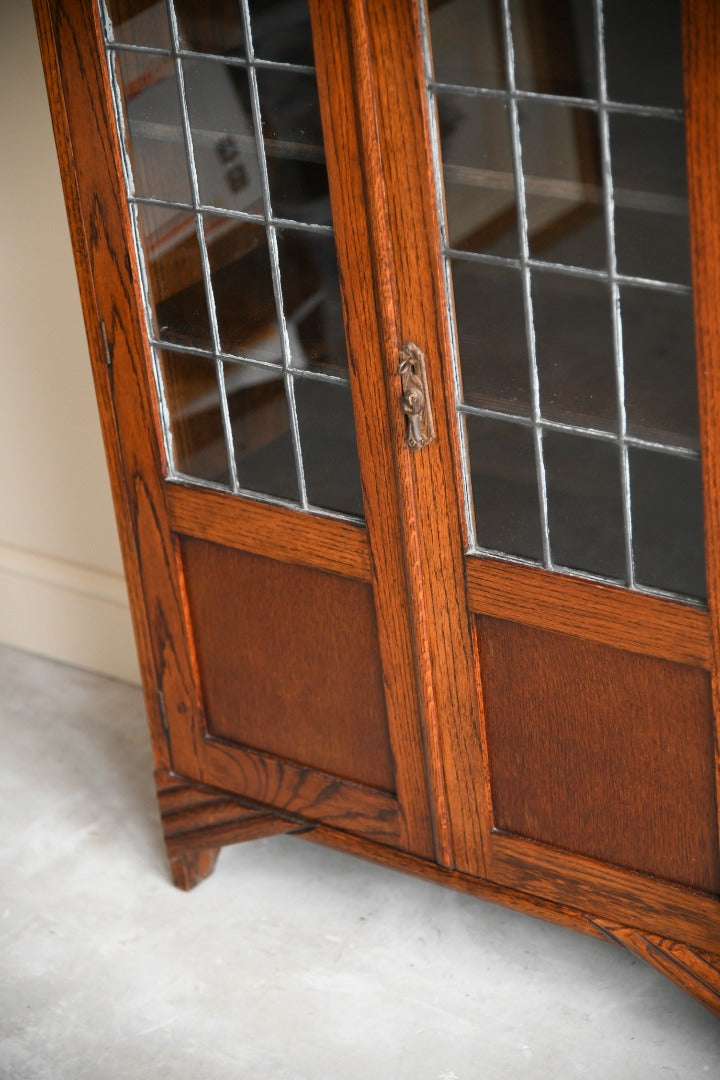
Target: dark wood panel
[
  {"x": 288, "y": 535},
  {"x": 289, "y": 662},
  {"x": 587, "y": 609},
  {"x": 601, "y": 752}
]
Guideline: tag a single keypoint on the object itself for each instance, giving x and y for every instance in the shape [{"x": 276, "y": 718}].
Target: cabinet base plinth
[
  {"x": 197, "y": 821},
  {"x": 695, "y": 971}
]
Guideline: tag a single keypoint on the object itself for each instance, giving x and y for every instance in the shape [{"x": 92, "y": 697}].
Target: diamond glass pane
[{"x": 559, "y": 150}]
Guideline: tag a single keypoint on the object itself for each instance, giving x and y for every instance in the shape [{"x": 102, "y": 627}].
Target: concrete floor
[{"x": 291, "y": 962}]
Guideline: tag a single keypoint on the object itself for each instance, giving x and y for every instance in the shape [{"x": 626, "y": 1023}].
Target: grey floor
[{"x": 291, "y": 962}]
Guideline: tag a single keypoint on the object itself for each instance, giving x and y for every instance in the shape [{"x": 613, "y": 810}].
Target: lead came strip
[
  {"x": 168, "y": 54},
  {"x": 482, "y": 167}
]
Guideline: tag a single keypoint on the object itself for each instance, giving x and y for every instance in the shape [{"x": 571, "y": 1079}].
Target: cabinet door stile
[
  {"x": 402, "y": 132},
  {"x": 71, "y": 43},
  {"x": 701, "y": 36},
  {"x": 346, "y": 101}
]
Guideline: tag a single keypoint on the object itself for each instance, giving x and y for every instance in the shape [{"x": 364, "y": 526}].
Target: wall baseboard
[{"x": 67, "y": 612}]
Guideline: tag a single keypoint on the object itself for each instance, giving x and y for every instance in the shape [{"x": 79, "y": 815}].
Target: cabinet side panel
[
  {"x": 601, "y": 752},
  {"x": 289, "y": 662}
]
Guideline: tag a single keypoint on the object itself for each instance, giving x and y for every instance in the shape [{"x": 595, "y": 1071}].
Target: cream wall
[{"x": 62, "y": 592}]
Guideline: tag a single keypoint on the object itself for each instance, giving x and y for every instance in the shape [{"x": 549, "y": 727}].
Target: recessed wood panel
[
  {"x": 601, "y": 752},
  {"x": 289, "y": 661}
]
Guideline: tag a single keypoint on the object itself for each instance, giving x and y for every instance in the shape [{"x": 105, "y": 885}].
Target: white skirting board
[{"x": 75, "y": 614}]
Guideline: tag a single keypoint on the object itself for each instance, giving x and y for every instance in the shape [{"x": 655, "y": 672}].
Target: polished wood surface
[
  {"x": 263, "y": 529},
  {"x": 585, "y": 754},
  {"x": 289, "y": 662},
  {"x": 701, "y": 38},
  {"x": 586, "y": 609}
]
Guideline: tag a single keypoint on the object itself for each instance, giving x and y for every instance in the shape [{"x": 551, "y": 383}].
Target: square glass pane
[
  {"x": 281, "y": 31},
  {"x": 194, "y": 405},
  {"x": 659, "y": 359},
  {"x": 153, "y": 126},
  {"x": 575, "y": 350},
  {"x": 218, "y": 101},
  {"x": 213, "y": 26},
  {"x": 174, "y": 276},
  {"x": 294, "y": 145},
  {"x": 563, "y": 184},
  {"x": 667, "y": 517},
  {"x": 492, "y": 344},
  {"x": 651, "y": 210},
  {"x": 554, "y": 44},
  {"x": 504, "y": 487},
  {"x": 585, "y": 506},
  {"x": 242, "y": 287},
  {"x": 467, "y": 41},
  {"x": 643, "y": 52},
  {"x": 312, "y": 301},
  {"x": 480, "y": 207},
  {"x": 260, "y": 422},
  {"x": 139, "y": 22},
  {"x": 329, "y": 451}
]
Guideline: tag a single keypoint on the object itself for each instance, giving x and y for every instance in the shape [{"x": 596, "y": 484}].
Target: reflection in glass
[
  {"x": 174, "y": 276},
  {"x": 260, "y": 424},
  {"x": 585, "y": 506},
  {"x": 490, "y": 322},
  {"x": 218, "y": 101},
  {"x": 467, "y": 42},
  {"x": 643, "y": 49},
  {"x": 478, "y": 171},
  {"x": 139, "y": 22},
  {"x": 659, "y": 359},
  {"x": 311, "y": 297},
  {"x": 504, "y": 487},
  {"x": 281, "y": 31},
  {"x": 194, "y": 405},
  {"x": 213, "y": 26},
  {"x": 667, "y": 519},
  {"x": 575, "y": 350},
  {"x": 651, "y": 211},
  {"x": 554, "y": 44},
  {"x": 294, "y": 146},
  {"x": 243, "y": 289},
  {"x": 327, "y": 439},
  {"x": 154, "y": 133},
  {"x": 563, "y": 184}
]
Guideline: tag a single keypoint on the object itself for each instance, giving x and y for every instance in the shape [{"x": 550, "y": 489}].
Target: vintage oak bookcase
[{"x": 395, "y": 310}]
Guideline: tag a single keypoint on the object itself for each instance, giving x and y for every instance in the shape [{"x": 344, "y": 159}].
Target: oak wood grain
[
  {"x": 346, "y": 105},
  {"x": 586, "y": 609},
  {"x": 602, "y": 752},
  {"x": 85, "y": 133},
  {"x": 400, "y": 193},
  {"x": 289, "y": 535},
  {"x": 289, "y": 662},
  {"x": 701, "y": 40},
  {"x": 693, "y": 970},
  {"x": 291, "y": 788}
]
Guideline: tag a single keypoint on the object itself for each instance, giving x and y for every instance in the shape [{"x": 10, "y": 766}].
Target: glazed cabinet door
[
  {"x": 240, "y": 374},
  {"x": 559, "y": 262}
]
